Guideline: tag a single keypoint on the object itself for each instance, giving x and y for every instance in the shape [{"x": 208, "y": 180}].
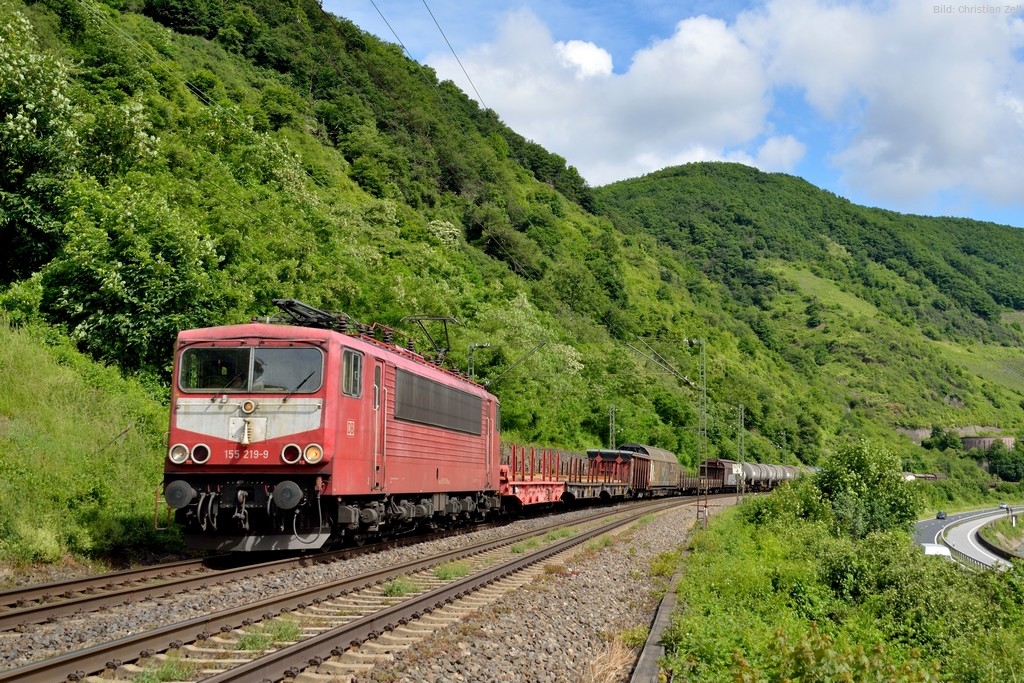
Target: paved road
[{"x": 961, "y": 534}]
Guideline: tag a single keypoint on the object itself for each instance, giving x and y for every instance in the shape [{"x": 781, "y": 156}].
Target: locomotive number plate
[{"x": 246, "y": 454}]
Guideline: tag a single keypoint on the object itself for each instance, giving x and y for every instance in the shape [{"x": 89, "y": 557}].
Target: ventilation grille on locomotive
[{"x": 422, "y": 400}]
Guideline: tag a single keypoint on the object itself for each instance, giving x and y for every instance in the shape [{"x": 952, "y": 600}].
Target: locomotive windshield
[{"x": 251, "y": 369}]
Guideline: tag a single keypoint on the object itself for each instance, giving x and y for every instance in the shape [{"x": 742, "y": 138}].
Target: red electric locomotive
[{"x": 296, "y": 436}]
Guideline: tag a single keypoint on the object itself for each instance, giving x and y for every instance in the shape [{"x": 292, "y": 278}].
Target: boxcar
[{"x": 666, "y": 474}]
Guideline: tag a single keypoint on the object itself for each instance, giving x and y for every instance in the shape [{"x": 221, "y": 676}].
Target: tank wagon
[
  {"x": 321, "y": 431},
  {"x": 730, "y": 475}
]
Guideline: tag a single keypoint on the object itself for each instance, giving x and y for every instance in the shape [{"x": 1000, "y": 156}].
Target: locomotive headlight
[
  {"x": 313, "y": 454},
  {"x": 291, "y": 454},
  {"x": 200, "y": 453},
  {"x": 248, "y": 406},
  {"x": 178, "y": 453}
]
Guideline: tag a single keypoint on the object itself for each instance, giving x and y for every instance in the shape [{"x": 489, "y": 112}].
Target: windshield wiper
[
  {"x": 298, "y": 386},
  {"x": 231, "y": 382}
]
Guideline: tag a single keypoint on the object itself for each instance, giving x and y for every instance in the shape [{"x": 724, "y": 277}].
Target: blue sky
[{"x": 898, "y": 104}]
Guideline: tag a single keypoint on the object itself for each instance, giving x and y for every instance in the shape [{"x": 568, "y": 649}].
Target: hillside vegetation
[
  {"x": 819, "y": 582},
  {"x": 168, "y": 164},
  {"x": 80, "y": 454}
]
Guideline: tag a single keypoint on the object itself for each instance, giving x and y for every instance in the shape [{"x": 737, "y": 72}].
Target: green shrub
[
  {"x": 788, "y": 599},
  {"x": 815, "y": 657}
]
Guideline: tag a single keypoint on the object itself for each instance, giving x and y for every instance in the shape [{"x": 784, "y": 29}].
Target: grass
[
  {"x": 533, "y": 543},
  {"x": 1013, "y": 317},
  {"x": 1003, "y": 534},
  {"x": 824, "y": 290},
  {"x": 275, "y": 631},
  {"x": 666, "y": 564},
  {"x": 80, "y": 454},
  {"x": 520, "y": 548},
  {"x": 998, "y": 364},
  {"x": 610, "y": 663},
  {"x": 451, "y": 570},
  {"x": 399, "y": 587},
  {"x": 643, "y": 521},
  {"x": 171, "y": 668},
  {"x": 600, "y": 543},
  {"x": 591, "y": 548},
  {"x": 636, "y": 637},
  {"x": 559, "y": 534}
]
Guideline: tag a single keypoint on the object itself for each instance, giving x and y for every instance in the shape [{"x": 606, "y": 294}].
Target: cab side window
[{"x": 352, "y": 373}]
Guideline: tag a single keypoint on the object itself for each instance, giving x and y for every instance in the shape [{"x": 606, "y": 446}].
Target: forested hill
[
  {"x": 170, "y": 164},
  {"x": 955, "y": 277}
]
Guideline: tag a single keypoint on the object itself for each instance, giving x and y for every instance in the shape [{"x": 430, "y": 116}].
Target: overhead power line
[{"x": 459, "y": 61}]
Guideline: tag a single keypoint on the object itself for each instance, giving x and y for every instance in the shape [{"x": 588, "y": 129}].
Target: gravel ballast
[{"x": 567, "y": 626}]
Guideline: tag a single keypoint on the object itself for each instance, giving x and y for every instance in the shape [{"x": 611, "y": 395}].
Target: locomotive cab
[{"x": 247, "y": 440}]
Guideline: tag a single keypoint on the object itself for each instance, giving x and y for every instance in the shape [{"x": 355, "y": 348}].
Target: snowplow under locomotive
[{"x": 320, "y": 432}]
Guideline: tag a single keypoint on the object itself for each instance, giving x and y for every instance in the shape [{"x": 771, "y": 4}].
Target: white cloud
[
  {"x": 685, "y": 98},
  {"x": 588, "y": 59},
  {"x": 822, "y": 49},
  {"x": 930, "y": 102},
  {"x": 904, "y": 103},
  {"x": 780, "y": 153},
  {"x": 702, "y": 85}
]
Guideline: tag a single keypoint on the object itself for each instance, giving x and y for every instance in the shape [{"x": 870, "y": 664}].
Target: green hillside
[
  {"x": 903, "y": 320},
  {"x": 168, "y": 164}
]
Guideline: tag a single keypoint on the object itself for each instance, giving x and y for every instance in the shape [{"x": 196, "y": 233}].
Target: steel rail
[
  {"x": 41, "y": 592},
  {"x": 18, "y": 618}
]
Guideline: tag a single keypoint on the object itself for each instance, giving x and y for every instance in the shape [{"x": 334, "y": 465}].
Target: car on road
[
  {"x": 1004, "y": 506},
  {"x": 941, "y": 514}
]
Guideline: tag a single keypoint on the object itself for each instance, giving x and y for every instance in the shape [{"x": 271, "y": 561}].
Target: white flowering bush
[
  {"x": 133, "y": 272},
  {"x": 38, "y": 145},
  {"x": 446, "y": 232},
  {"x": 119, "y": 140},
  {"x": 36, "y": 115}
]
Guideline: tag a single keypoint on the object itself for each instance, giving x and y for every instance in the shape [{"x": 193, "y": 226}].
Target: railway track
[
  {"x": 41, "y": 603},
  {"x": 20, "y": 596},
  {"x": 347, "y": 611}
]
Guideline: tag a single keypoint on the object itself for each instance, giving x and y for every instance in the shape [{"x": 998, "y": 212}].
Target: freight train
[{"x": 321, "y": 431}]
